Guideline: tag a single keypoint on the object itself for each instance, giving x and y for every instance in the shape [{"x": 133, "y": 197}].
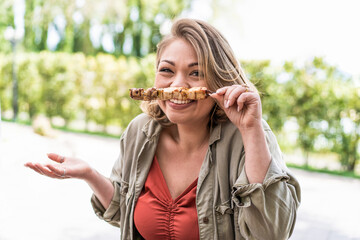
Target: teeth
[{"x": 180, "y": 101}]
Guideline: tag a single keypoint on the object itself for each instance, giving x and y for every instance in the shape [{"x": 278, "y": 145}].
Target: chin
[
  {"x": 179, "y": 118},
  {"x": 182, "y": 119}
]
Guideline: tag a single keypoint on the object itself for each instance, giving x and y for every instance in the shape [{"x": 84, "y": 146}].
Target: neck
[{"x": 190, "y": 137}]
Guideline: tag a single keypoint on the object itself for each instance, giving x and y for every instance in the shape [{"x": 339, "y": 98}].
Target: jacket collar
[
  {"x": 215, "y": 134},
  {"x": 152, "y": 128}
]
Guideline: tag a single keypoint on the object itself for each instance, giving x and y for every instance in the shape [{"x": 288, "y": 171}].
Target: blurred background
[{"x": 66, "y": 67}]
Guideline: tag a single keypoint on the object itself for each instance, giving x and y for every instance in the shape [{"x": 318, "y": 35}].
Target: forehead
[{"x": 179, "y": 50}]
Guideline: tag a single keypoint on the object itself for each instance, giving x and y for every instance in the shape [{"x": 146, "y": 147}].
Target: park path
[{"x": 35, "y": 207}]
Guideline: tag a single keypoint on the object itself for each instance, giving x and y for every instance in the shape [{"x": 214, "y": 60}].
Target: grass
[
  {"x": 324, "y": 170},
  {"x": 17, "y": 121},
  {"x": 100, "y": 134},
  {"x": 65, "y": 129}
]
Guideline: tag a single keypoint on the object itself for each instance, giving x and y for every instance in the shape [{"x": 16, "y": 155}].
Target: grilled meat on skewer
[{"x": 180, "y": 93}]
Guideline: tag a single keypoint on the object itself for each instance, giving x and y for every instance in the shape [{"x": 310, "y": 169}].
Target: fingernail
[
  {"x": 238, "y": 108},
  {"x": 226, "y": 103}
]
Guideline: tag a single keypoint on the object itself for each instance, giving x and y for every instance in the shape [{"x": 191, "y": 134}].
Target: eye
[
  {"x": 166, "y": 70},
  {"x": 195, "y": 73}
]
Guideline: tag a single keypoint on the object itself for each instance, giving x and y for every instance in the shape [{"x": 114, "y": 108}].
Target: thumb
[{"x": 55, "y": 157}]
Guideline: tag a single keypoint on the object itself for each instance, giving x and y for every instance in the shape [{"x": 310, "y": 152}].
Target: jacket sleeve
[
  {"x": 267, "y": 210},
  {"x": 112, "y": 213}
]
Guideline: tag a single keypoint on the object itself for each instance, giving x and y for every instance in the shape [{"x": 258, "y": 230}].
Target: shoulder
[
  {"x": 139, "y": 121},
  {"x": 142, "y": 126}
]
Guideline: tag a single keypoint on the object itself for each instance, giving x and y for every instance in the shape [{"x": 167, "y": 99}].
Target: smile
[{"x": 177, "y": 101}]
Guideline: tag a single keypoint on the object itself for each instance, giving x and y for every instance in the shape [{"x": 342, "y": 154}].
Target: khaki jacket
[{"x": 228, "y": 206}]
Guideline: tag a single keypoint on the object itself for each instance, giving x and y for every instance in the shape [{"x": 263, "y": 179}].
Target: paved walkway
[{"x": 35, "y": 207}]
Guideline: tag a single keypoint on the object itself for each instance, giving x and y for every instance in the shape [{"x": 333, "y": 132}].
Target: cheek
[
  {"x": 207, "y": 105},
  {"x": 161, "y": 105},
  {"x": 160, "y": 82},
  {"x": 156, "y": 83}
]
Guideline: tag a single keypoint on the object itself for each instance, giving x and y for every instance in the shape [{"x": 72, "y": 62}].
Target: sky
[{"x": 289, "y": 30}]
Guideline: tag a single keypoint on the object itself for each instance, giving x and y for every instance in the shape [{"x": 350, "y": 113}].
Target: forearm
[
  {"x": 101, "y": 186},
  {"x": 257, "y": 154}
]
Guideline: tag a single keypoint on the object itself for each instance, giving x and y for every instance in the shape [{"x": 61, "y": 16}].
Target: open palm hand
[{"x": 62, "y": 167}]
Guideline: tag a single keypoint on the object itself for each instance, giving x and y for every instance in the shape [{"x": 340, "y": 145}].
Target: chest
[{"x": 180, "y": 170}]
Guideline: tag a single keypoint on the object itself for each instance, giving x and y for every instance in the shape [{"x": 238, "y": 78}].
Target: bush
[{"x": 75, "y": 86}]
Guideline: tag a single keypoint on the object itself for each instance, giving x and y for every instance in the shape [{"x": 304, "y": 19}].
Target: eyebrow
[{"x": 172, "y": 63}]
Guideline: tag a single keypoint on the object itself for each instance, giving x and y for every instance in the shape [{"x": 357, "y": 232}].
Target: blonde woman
[{"x": 205, "y": 169}]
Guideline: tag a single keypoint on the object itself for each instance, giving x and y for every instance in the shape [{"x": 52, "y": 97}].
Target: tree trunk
[{"x": 306, "y": 159}]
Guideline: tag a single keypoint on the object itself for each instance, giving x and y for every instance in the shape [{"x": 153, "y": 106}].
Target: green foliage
[
  {"x": 323, "y": 101},
  {"x": 5, "y": 81},
  {"x": 344, "y": 124},
  {"x": 130, "y": 27},
  {"x": 6, "y": 20},
  {"x": 305, "y": 102},
  {"x": 73, "y": 86},
  {"x": 325, "y": 104},
  {"x": 272, "y": 97}
]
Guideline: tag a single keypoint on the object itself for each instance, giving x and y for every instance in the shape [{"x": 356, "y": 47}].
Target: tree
[
  {"x": 306, "y": 103},
  {"x": 6, "y": 20},
  {"x": 344, "y": 123},
  {"x": 272, "y": 95},
  {"x": 120, "y": 27},
  {"x": 325, "y": 103}
]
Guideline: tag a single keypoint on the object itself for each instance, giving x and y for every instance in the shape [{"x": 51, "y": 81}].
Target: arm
[
  {"x": 257, "y": 155},
  {"x": 102, "y": 187},
  {"x": 267, "y": 210},
  {"x": 265, "y": 194},
  {"x": 243, "y": 108}
]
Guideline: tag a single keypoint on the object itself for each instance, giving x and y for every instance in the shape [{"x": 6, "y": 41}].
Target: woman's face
[{"x": 178, "y": 67}]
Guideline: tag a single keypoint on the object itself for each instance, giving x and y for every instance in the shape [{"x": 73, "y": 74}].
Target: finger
[
  {"x": 227, "y": 95},
  {"x": 222, "y": 91},
  {"x": 31, "y": 165},
  {"x": 56, "y": 157},
  {"x": 234, "y": 95},
  {"x": 46, "y": 171},
  {"x": 38, "y": 169},
  {"x": 244, "y": 97},
  {"x": 56, "y": 170},
  {"x": 28, "y": 164}
]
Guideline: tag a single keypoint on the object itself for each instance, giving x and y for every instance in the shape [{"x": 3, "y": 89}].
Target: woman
[{"x": 206, "y": 169}]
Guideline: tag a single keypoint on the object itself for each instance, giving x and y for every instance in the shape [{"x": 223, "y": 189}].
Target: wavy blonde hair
[{"x": 216, "y": 60}]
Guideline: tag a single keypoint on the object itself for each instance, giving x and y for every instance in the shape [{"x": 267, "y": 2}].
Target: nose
[{"x": 180, "y": 80}]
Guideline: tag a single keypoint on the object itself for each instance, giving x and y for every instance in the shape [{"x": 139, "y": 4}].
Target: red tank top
[{"x": 158, "y": 216}]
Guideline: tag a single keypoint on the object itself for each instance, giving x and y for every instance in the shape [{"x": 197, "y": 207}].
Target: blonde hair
[{"x": 216, "y": 60}]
